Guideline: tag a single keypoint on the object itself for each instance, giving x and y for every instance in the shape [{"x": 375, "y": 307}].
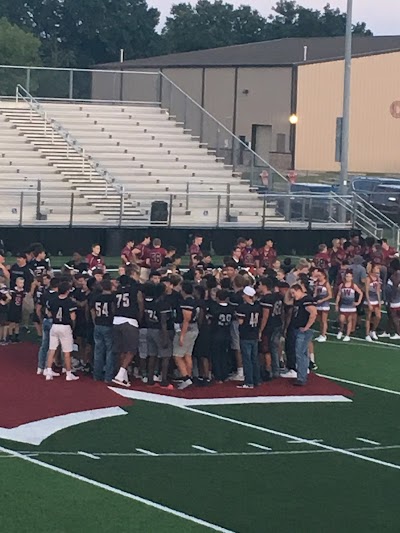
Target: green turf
[
  {"x": 34, "y": 499},
  {"x": 296, "y": 487}
]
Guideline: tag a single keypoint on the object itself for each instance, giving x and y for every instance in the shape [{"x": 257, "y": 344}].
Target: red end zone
[{"x": 26, "y": 397}]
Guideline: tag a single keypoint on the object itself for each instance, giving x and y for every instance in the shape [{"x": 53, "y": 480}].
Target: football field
[{"x": 302, "y": 465}]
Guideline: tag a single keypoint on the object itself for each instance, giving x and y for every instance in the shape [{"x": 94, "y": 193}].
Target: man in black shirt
[
  {"x": 220, "y": 314},
  {"x": 41, "y": 306},
  {"x": 102, "y": 311},
  {"x": 186, "y": 331},
  {"x": 40, "y": 264},
  {"x": 126, "y": 322},
  {"x": 21, "y": 270},
  {"x": 303, "y": 317},
  {"x": 249, "y": 316},
  {"x": 62, "y": 311},
  {"x": 271, "y": 324},
  {"x": 77, "y": 264}
]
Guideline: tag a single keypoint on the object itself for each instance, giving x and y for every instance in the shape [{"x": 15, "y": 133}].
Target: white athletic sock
[
  {"x": 240, "y": 371},
  {"x": 122, "y": 374},
  {"x": 312, "y": 357}
]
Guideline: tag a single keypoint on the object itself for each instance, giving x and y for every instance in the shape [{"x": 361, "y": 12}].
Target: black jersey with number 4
[
  {"x": 126, "y": 301},
  {"x": 104, "y": 307},
  {"x": 220, "y": 316},
  {"x": 61, "y": 309},
  {"x": 251, "y": 316}
]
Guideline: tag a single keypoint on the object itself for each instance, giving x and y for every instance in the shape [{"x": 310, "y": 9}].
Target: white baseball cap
[{"x": 249, "y": 291}]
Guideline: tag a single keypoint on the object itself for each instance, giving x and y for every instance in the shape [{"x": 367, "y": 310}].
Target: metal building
[{"x": 253, "y": 89}]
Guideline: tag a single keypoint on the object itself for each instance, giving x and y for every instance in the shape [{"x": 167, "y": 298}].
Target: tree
[
  {"x": 17, "y": 47},
  {"x": 82, "y": 33},
  {"x": 292, "y": 20},
  {"x": 211, "y": 25}
]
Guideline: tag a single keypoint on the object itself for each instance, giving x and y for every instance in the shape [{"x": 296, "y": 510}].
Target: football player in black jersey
[
  {"x": 62, "y": 310},
  {"x": 220, "y": 313},
  {"x": 102, "y": 309},
  {"x": 18, "y": 294}
]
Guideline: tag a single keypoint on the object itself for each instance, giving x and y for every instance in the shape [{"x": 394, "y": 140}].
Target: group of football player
[{"x": 249, "y": 320}]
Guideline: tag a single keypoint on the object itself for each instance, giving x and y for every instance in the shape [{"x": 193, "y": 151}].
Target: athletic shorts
[
  {"x": 188, "y": 342},
  {"x": 155, "y": 347},
  {"x": 126, "y": 338},
  {"x": 202, "y": 346},
  {"x": 35, "y": 318},
  {"x": 235, "y": 339},
  {"x": 3, "y": 318},
  {"x": 143, "y": 346},
  {"x": 61, "y": 334}
]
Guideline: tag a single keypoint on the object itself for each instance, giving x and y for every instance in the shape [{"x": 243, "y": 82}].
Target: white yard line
[
  {"x": 119, "y": 492},
  {"x": 361, "y": 439},
  {"x": 221, "y": 454},
  {"x": 85, "y": 454},
  {"x": 294, "y": 437},
  {"x": 364, "y": 385},
  {"x": 301, "y": 441},
  {"x": 146, "y": 452},
  {"x": 202, "y": 449},
  {"x": 254, "y": 445}
]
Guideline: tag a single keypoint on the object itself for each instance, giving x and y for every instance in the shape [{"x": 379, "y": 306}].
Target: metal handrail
[
  {"x": 376, "y": 212},
  {"x": 68, "y": 138},
  {"x": 66, "y": 69},
  {"x": 220, "y": 125}
]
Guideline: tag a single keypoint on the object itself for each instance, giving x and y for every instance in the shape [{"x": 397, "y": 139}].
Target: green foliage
[{"x": 17, "y": 47}]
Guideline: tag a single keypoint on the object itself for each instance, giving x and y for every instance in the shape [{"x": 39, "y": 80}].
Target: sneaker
[
  {"x": 339, "y": 335},
  {"x": 136, "y": 373},
  {"x": 156, "y": 378},
  {"x": 122, "y": 382},
  {"x": 299, "y": 384},
  {"x": 347, "y": 339},
  {"x": 368, "y": 338},
  {"x": 289, "y": 374},
  {"x": 166, "y": 385},
  {"x": 71, "y": 377},
  {"x": 52, "y": 373},
  {"x": 313, "y": 366},
  {"x": 236, "y": 377},
  {"x": 383, "y": 335},
  {"x": 49, "y": 377},
  {"x": 374, "y": 336},
  {"x": 244, "y": 386},
  {"x": 145, "y": 379},
  {"x": 321, "y": 338},
  {"x": 394, "y": 337},
  {"x": 39, "y": 371},
  {"x": 185, "y": 384}
]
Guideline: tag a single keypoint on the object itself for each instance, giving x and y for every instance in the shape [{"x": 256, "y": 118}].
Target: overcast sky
[{"x": 381, "y": 16}]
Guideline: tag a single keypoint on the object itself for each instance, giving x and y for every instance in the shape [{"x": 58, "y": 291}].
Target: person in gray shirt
[{"x": 359, "y": 272}]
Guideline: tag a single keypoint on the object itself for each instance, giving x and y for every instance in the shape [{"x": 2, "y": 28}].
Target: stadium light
[{"x": 293, "y": 119}]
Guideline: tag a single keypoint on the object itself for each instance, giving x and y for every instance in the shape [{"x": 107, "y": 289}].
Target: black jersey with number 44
[
  {"x": 251, "y": 316},
  {"x": 104, "y": 307},
  {"x": 61, "y": 309}
]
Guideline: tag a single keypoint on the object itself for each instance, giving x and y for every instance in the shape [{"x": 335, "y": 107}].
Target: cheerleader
[
  {"x": 373, "y": 291},
  {"x": 349, "y": 297},
  {"x": 322, "y": 297}
]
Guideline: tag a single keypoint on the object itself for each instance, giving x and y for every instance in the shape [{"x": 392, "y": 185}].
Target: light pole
[{"x": 344, "y": 159}]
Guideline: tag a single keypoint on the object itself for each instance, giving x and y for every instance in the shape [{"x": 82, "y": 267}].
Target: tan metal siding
[
  {"x": 267, "y": 101},
  {"x": 374, "y": 133},
  {"x": 219, "y": 94},
  {"x": 187, "y": 79}
]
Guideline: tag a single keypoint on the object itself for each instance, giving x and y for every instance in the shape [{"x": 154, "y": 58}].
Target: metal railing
[
  {"x": 27, "y": 207},
  {"x": 150, "y": 88},
  {"x": 218, "y": 138},
  {"x": 56, "y": 127}
]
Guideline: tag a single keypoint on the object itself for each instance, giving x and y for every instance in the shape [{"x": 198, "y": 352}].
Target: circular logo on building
[{"x": 395, "y": 109}]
